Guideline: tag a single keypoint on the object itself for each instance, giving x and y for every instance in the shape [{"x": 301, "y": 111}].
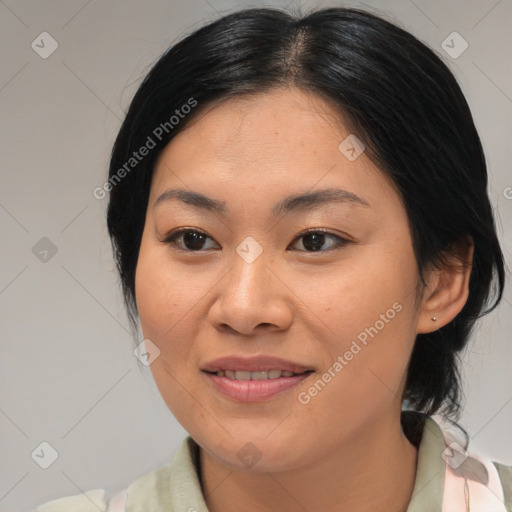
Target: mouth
[
  {"x": 244, "y": 386},
  {"x": 254, "y": 379},
  {"x": 243, "y": 375}
]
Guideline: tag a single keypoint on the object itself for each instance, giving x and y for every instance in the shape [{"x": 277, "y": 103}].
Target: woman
[{"x": 300, "y": 221}]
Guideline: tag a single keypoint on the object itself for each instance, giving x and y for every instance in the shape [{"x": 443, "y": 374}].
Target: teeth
[{"x": 243, "y": 375}]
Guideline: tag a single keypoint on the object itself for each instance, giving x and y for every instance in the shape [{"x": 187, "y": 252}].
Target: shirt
[{"x": 448, "y": 479}]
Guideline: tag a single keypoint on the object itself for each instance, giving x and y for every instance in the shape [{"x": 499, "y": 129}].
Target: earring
[{"x": 434, "y": 319}]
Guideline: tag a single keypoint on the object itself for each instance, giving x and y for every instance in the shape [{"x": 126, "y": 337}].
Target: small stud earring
[{"x": 434, "y": 319}]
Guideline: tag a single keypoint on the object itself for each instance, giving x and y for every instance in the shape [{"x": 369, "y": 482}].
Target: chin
[{"x": 252, "y": 453}]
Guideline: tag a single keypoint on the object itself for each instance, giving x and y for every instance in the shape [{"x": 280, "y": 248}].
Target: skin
[{"x": 345, "y": 449}]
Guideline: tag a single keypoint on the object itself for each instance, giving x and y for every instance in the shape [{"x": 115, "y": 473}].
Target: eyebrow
[{"x": 296, "y": 202}]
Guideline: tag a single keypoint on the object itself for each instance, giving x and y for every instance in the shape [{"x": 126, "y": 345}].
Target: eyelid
[{"x": 326, "y": 232}]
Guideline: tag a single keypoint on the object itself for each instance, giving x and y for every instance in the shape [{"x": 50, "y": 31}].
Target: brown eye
[
  {"x": 192, "y": 240},
  {"x": 314, "y": 240}
]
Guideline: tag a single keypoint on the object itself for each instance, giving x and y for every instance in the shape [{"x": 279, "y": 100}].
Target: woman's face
[{"x": 340, "y": 304}]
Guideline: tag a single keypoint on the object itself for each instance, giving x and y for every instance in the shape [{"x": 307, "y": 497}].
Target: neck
[{"x": 374, "y": 470}]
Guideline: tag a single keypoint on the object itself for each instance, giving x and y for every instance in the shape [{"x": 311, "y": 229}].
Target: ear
[{"x": 447, "y": 288}]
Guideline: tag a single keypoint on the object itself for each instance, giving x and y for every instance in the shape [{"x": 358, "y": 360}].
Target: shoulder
[
  {"x": 452, "y": 471},
  {"x": 150, "y": 492},
  {"x": 486, "y": 482},
  {"x": 149, "y": 489},
  {"x": 90, "y": 501}
]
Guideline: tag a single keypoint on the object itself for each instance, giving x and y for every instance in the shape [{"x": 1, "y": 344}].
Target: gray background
[{"x": 68, "y": 375}]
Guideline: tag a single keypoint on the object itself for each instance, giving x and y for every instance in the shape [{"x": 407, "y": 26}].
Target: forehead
[
  {"x": 264, "y": 124},
  {"x": 265, "y": 143}
]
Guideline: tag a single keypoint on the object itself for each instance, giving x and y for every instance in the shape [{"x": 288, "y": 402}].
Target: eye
[
  {"x": 193, "y": 240},
  {"x": 314, "y": 240}
]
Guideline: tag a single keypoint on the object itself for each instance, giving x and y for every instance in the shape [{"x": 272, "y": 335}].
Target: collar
[
  {"x": 427, "y": 493},
  {"x": 186, "y": 494},
  {"x": 176, "y": 487}
]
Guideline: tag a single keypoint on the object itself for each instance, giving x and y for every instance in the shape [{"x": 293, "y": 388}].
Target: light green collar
[
  {"x": 186, "y": 493},
  {"x": 176, "y": 486},
  {"x": 427, "y": 493}
]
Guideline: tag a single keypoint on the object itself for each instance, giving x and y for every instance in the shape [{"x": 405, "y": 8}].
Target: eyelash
[{"x": 171, "y": 238}]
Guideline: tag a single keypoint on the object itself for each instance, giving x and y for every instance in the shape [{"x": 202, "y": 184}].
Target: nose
[{"x": 251, "y": 297}]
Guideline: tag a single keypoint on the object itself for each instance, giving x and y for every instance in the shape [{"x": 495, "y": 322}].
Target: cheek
[
  {"x": 169, "y": 299},
  {"x": 353, "y": 294},
  {"x": 161, "y": 302},
  {"x": 161, "y": 291},
  {"x": 365, "y": 314}
]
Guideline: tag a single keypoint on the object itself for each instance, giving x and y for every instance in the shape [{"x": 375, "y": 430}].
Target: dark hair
[{"x": 392, "y": 91}]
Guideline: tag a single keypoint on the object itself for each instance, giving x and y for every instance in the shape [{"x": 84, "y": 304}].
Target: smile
[{"x": 262, "y": 375}]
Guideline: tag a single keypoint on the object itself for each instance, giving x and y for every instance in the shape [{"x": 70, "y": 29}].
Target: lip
[
  {"x": 254, "y": 390},
  {"x": 260, "y": 363}
]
